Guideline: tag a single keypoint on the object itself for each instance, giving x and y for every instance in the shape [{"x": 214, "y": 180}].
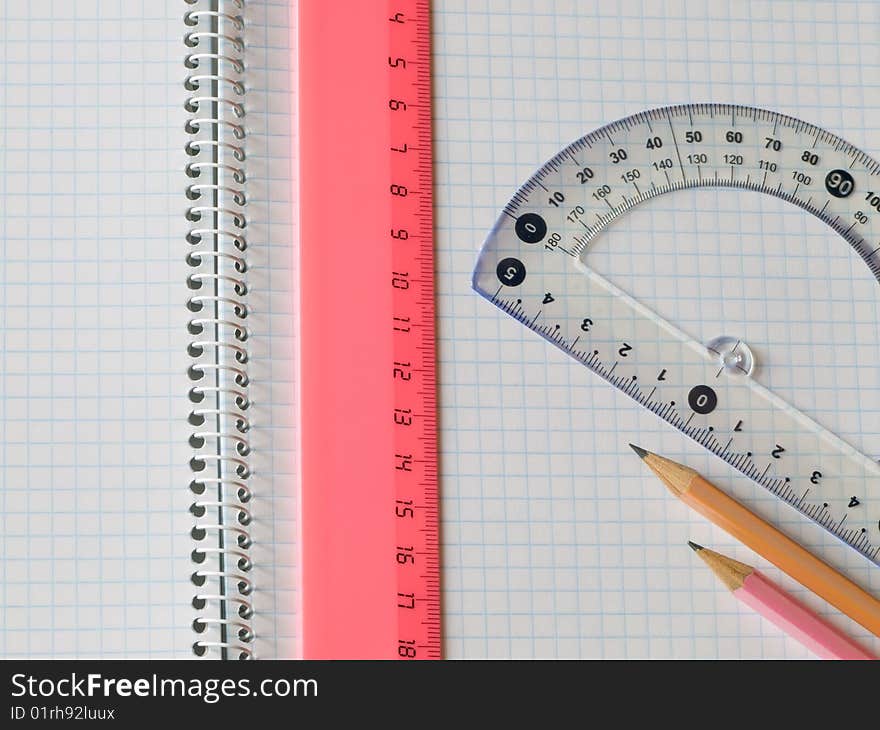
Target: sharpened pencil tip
[
  {"x": 639, "y": 450},
  {"x": 693, "y": 546}
]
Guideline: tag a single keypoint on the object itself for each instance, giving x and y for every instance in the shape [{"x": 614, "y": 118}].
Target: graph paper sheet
[
  {"x": 557, "y": 542},
  {"x": 272, "y": 300},
  {"x": 94, "y": 522}
]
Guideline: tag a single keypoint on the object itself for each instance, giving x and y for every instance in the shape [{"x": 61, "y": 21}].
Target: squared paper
[
  {"x": 94, "y": 522},
  {"x": 556, "y": 541}
]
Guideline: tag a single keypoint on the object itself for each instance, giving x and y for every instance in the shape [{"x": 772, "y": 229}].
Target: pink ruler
[{"x": 371, "y": 573}]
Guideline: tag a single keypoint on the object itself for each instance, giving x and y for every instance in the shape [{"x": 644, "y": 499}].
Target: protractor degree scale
[{"x": 533, "y": 266}]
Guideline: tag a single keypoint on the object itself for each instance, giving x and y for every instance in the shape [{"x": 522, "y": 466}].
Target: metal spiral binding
[{"x": 218, "y": 326}]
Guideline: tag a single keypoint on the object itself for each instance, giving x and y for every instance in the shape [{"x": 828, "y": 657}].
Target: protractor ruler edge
[
  {"x": 370, "y": 504},
  {"x": 534, "y": 266}
]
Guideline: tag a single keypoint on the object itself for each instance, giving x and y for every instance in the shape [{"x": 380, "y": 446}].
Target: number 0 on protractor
[{"x": 532, "y": 266}]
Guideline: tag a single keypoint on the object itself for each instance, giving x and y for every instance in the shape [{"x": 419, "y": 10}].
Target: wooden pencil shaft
[
  {"x": 787, "y": 613},
  {"x": 781, "y": 550}
]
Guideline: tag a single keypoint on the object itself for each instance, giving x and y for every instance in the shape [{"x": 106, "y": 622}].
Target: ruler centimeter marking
[
  {"x": 534, "y": 266},
  {"x": 370, "y": 512}
]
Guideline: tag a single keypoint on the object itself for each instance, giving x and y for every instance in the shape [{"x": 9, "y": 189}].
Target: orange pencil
[{"x": 766, "y": 540}]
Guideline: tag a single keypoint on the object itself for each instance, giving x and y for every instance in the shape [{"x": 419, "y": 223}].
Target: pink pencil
[{"x": 771, "y": 602}]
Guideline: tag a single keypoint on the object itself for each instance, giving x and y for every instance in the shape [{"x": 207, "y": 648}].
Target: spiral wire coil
[{"x": 218, "y": 330}]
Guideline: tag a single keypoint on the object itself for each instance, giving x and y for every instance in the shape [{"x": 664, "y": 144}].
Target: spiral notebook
[
  {"x": 148, "y": 488},
  {"x": 146, "y": 388}
]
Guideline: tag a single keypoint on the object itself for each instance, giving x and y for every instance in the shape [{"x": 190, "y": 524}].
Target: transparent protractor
[{"x": 533, "y": 266}]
